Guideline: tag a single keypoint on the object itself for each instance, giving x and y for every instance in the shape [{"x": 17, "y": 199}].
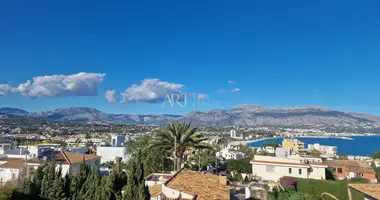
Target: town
[{"x": 223, "y": 164}]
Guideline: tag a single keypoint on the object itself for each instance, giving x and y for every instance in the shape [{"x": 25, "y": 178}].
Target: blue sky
[{"x": 279, "y": 53}]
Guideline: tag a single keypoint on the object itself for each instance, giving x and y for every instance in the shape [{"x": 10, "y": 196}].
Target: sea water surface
[{"x": 360, "y": 145}]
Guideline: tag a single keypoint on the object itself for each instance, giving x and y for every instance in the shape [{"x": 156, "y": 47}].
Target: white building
[
  {"x": 230, "y": 154},
  {"x": 11, "y": 169},
  {"x": 234, "y": 135},
  {"x": 110, "y": 154},
  {"x": 268, "y": 149},
  {"x": 117, "y": 140},
  {"x": 324, "y": 149},
  {"x": 273, "y": 168},
  {"x": 69, "y": 162}
]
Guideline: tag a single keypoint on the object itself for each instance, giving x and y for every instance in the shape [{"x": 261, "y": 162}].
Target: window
[
  {"x": 300, "y": 171},
  {"x": 360, "y": 175},
  {"x": 340, "y": 170},
  {"x": 270, "y": 168},
  {"x": 290, "y": 170}
]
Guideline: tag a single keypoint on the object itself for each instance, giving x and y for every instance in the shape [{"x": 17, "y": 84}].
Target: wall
[
  {"x": 279, "y": 171},
  {"x": 171, "y": 193},
  {"x": 8, "y": 174},
  {"x": 110, "y": 154}
]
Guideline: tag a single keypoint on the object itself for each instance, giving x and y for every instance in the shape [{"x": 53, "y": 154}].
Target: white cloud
[
  {"x": 5, "y": 88},
  {"x": 81, "y": 84},
  {"x": 110, "y": 95},
  {"x": 150, "y": 90},
  {"x": 227, "y": 91},
  {"x": 232, "y": 82}
]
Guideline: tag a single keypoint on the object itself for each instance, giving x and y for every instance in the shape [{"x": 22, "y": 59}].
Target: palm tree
[{"x": 178, "y": 138}]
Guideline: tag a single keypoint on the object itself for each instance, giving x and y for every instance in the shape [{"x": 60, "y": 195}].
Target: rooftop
[
  {"x": 12, "y": 163},
  {"x": 155, "y": 190},
  {"x": 353, "y": 166},
  {"x": 68, "y": 157},
  {"x": 205, "y": 185},
  {"x": 372, "y": 190}
]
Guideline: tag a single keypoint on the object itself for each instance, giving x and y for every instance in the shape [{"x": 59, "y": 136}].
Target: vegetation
[
  {"x": 377, "y": 170},
  {"x": 248, "y": 151},
  {"x": 153, "y": 160},
  {"x": 239, "y": 165},
  {"x": 270, "y": 144},
  {"x": 335, "y": 188},
  {"x": 376, "y": 155},
  {"x": 177, "y": 138},
  {"x": 49, "y": 184}
]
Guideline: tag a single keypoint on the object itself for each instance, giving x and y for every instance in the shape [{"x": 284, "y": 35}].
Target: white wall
[
  {"x": 171, "y": 193},
  {"x": 110, "y": 154},
  {"x": 8, "y": 174},
  {"x": 279, "y": 171}
]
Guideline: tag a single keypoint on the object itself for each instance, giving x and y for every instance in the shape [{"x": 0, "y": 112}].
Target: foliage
[
  {"x": 248, "y": 151},
  {"x": 376, "y": 155},
  {"x": 177, "y": 138},
  {"x": 358, "y": 180},
  {"x": 237, "y": 177},
  {"x": 315, "y": 153},
  {"x": 289, "y": 181},
  {"x": 377, "y": 170},
  {"x": 317, "y": 187},
  {"x": 154, "y": 160},
  {"x": 136, "y": 188},
  {"x": 49, "y": 184},
  {"x": 343, "y": 157},
  {"x": 270, "y": 144},
  {"x": 240, "y": 165}
]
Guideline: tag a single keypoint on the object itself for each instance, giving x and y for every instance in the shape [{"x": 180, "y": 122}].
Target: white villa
[{"x": 273, "y": 168}]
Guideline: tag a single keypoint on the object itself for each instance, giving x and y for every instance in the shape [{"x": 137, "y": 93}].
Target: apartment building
[
  {"x": 347, "y": 169},
  {"x": 294, "y": 145},
  {"x": 324, "y": 149},
  {"x": 273, "y": 168}
]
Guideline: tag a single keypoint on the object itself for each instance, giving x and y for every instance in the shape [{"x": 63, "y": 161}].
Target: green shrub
[{"x": 240, "y": 165}]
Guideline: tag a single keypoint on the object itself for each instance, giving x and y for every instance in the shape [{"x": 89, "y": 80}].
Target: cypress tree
[
  {"x": 136, "y": 188},
  {"x": 48, "y": 179}
]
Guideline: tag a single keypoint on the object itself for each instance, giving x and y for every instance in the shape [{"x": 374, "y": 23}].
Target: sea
[{"x": 360, "y": 145}]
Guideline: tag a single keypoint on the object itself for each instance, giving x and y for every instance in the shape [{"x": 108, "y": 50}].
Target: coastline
[{"x": 245, "y": 142}]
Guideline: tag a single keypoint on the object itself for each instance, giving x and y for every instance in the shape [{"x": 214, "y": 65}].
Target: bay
[{"x": 360, "y": 145}]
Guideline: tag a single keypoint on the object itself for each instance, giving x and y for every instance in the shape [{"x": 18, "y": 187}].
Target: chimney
[
  {"x": 222, "y": 180},
  {"x": 118, "y": 164}
]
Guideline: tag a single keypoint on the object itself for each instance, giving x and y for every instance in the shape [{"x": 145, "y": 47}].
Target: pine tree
[{"x": 78, "y": 181}]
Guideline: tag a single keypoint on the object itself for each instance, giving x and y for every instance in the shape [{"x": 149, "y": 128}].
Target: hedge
[{"x": 240, "y": 165}]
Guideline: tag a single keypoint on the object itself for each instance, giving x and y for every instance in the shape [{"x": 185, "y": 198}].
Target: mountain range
[{"x": 245, "y": 114}]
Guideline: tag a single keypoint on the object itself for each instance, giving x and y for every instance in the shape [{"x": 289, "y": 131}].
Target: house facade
[
  {"x": 11, "y": 169},
  {"x": 347, "y": 169},
  {"x": 294, "y": 145},
  {"x": 68, "y": 162},
  {"x": 273, "y": 168}
]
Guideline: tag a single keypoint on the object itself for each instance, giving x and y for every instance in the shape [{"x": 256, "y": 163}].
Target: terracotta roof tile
[
  {"x": 372, "y": 190},
  {"x": 205, "y": 185},
  {"x": 67, "y": 157},
  {"x": 155, "y": 190},
  {"x": 353, "y": 166},
  {"x": 12, "y": 163}
]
